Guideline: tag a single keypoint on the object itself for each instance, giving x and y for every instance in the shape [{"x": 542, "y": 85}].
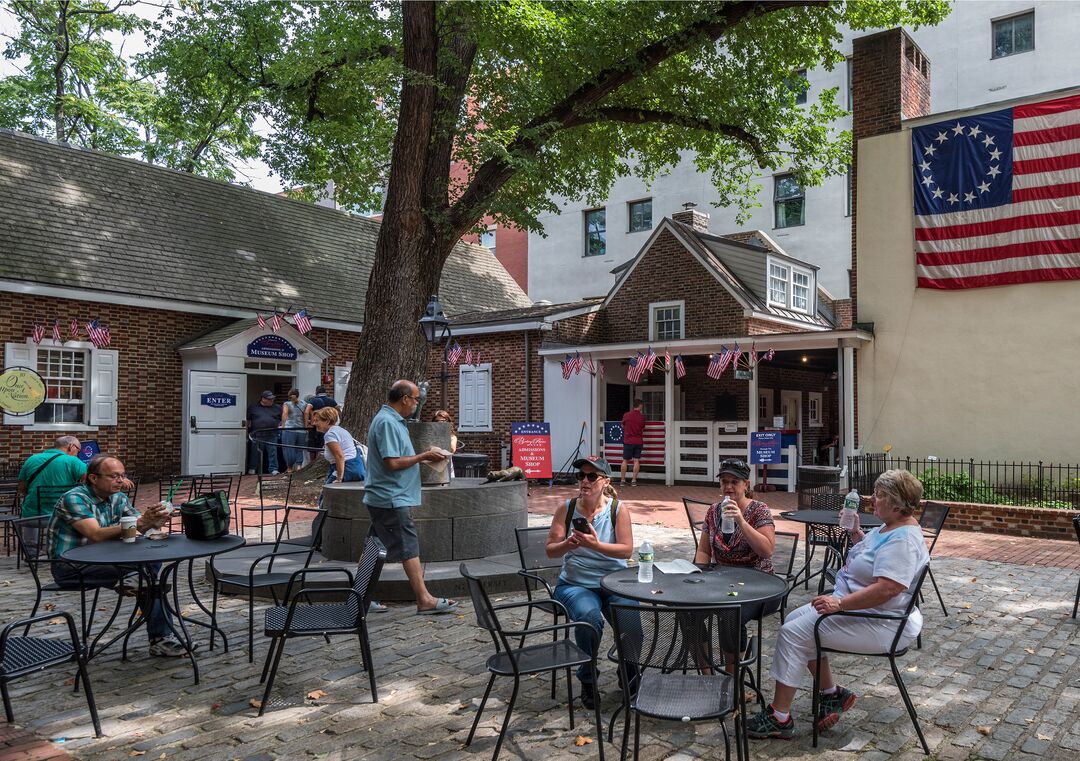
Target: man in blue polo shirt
[{"x": 392, "y": 489}]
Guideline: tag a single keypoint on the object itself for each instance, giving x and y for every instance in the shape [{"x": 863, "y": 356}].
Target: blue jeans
[
  {"x": 108, "y": 576},
  {"x": 592, "y": 606},
  {"x": 264, "y": 441},
  {"x": 293, "y": 437}
]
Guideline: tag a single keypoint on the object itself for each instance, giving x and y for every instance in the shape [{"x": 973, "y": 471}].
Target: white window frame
[
  {"x": 467, "y": 423},
  {"x": 813, "y": 409},
  {"x": 1011, "y": 17},
  {"x": 630, "y": 215},
  {"x": 791, "y": 270},
  {"x": 491, "y": 230},
  {"x": 657, "y": 305},
  {"x": 585, "y": 224},
  {"x": 102, "y": 377},
  {"x": 802, "y": 94},
  {"x": 777, "y": 200}
]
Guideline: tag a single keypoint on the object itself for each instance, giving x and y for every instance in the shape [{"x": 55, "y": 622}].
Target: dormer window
[{"x": 791, "y": 287}]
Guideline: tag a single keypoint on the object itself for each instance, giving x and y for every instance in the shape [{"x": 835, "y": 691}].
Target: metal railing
[{"x": 1037, "y": 484}]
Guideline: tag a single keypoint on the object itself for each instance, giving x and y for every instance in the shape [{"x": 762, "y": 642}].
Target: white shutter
[
  {"x": 19, "y": 355},
  {"x": 482, "y": 399},
  {"x": 466, "y": 411},
  {"x": 103, "y": 375},
  {"x": 474, "y": 397},
  {"x": 341, "y": 382}
]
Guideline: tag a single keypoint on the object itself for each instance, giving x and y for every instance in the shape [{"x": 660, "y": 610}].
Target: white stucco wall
[
  {"x": 989, "y": 373},
  {"x": 567, "y": 404},
  {"x": 962, "y": 75}
]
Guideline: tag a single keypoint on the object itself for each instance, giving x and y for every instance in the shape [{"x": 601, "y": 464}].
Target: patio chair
[
  {"x": 20, "y": 656},
  {"x": 184, "y": 488},
  {"x": 932, "y": 521},
  {"x": 783, "y": 560},
  {"x": 9, "y": 511},
  {"x": 270, "y": 499},
  {"x": 531, "y": 544},
  {"x": 678, "y": 654},
  {"x": 825, "y": 536},
  {"x": 696, "y": 510},
  {"x": 324, "y": 619},
  {"x": 260, "y": 557},
  {"x": 548, "y": 656},
  {"x": 1076, "y": 602},
  {"x": 892, "y": 653}
]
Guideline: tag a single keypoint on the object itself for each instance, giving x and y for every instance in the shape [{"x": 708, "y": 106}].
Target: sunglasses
[{"x": 590, "y": 477}]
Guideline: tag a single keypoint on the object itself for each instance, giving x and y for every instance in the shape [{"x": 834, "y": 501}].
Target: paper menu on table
[{"x": 676, "y": 566}]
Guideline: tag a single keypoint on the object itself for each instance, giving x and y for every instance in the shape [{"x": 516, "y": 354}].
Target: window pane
[
  {"x": 778, "y": 283},
  {"x": 1024, "y": 33},
  {"x": 790, "y": 213},
  {"x": 1002, "y": 39},
  {"x": 641, "y": 216},
  {"x": 596, "y": 232},
  {"x": 487, "y": 238},
  {"x": 668, "y": 321},
  {"x": 64, "y": 373}
]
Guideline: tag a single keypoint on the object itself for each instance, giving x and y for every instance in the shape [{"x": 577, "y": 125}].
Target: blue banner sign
[
  {"x": 530, "y": 429},
  {"x": 90, "y": 450},
  {"x": 271, "y": 347},
  {"x": 764, "y": 447},
  {"x": 218, "y": 400}
]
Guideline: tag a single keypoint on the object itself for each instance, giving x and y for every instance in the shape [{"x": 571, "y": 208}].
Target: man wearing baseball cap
[{"x": 264, "y": 419}]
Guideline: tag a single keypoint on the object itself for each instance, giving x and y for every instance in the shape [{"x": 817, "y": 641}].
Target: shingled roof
[{"x": 82, "y": 219}]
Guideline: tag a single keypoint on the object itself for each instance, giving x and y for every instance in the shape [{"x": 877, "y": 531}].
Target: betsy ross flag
[
  {"x": 716, "y": 369},
  {"x": 997, "y": 197},
  {"x": 454, "y": 355},
  {"x": 96, "y": 333},
  {"x": 635, "y": 368},
  {"x": 302, "y": 321},
  {"x": 680, "y": 368}
]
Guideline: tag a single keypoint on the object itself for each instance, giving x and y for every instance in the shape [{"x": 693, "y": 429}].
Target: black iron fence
[{"x": 1036, "y": 484}]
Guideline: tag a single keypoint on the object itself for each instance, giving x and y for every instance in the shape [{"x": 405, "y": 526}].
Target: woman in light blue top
[
  {"x": 594, "y": 545},
  {"x": 293, "y": 433}
]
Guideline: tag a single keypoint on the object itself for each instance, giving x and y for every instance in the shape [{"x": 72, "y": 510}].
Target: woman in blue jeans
[{"x": 589, "y": 553}]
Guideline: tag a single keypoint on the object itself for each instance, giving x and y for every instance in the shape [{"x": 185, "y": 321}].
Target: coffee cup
[{"x": 127, "y": 528}]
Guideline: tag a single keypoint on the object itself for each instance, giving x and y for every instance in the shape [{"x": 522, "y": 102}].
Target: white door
[{"x": 217, "y": 413}]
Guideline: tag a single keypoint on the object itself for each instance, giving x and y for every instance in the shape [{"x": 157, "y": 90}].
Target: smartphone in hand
[{"x": 581, "y": 525}]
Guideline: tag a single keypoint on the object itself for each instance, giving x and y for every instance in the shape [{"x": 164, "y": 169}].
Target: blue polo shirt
[{"x": 388, "y": 436}]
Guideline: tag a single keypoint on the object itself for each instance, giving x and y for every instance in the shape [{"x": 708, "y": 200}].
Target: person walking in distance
[
  {"x": 393, "y": 489},
  {"x": 633, "y": 427}
]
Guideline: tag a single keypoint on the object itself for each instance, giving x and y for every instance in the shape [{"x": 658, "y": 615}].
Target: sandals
[{"x": 442, "y": 605}]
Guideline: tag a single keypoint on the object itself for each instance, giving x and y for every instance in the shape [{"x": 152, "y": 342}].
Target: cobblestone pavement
[{"x": 997, "y": 679}]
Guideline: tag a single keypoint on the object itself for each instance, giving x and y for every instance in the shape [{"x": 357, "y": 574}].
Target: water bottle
[
  {"x": 727, "y": 523},
  {"x": 644, "y": 562},
  {"x": 851, "y": 507}
]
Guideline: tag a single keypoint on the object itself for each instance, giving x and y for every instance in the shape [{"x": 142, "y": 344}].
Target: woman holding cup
[{"x": 738, "y": 530}]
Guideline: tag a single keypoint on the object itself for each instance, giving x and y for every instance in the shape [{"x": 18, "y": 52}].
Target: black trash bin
[
  {"x": 470, "y": 465},
  {"x": 816, "y": 479}
]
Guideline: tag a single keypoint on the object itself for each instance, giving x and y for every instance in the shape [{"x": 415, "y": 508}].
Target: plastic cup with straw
[{"x": 167, "y": 502}]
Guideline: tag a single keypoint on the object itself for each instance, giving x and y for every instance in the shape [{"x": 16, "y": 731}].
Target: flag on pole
[
  {"x": 56, "y": 332},
  {"x": 579, "y": 362},
  {"x": 468, "y": 356},
  {"x": 680, "y": 368},
  {"x": 997, "y": 197},
  {"x": 37, "y": 333},
  {"x": 275, "y": 322},
  {"x": 590, "y": 366},
  {"x": 770, "y": 354},
  {"x": 635, "y": 368},
  {"x": 735, "y": 358},
  {"x": 74, "y": 328},
  {"x": 567, "y": 367},
  {"x": 96, "y": 334},
  {"x": 650, "y": 360},
  {"x": 302, "y": 322},
  {"x": 753, "y": 357},
  {"x": 454, "y": 355},
  {"x": 601, "y": 370},
  {"x": 476, "y": 359},
  {"x": 106, "y": 335},
  {"x": 260, "y": 319},
  {"x": 667, "y": 361}
]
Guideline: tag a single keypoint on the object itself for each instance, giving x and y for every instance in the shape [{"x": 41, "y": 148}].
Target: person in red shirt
[{"x": 633, "y": 427}]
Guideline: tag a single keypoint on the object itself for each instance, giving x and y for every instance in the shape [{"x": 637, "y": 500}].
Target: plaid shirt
[{"x": 80, "y": 504}]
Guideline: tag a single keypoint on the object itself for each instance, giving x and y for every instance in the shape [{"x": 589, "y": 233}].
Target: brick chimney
[
  {"x": 690, "y": 216},
  {"x": 890, "y": 81}
]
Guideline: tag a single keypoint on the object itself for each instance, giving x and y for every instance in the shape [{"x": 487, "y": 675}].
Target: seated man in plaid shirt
[{"x": 91, "y": 512}]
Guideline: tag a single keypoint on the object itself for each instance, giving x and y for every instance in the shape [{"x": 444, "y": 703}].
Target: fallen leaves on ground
[
  {"x": 49, "y": 606},
  {"x": 57, "y": 620},
  {"x": 582, "y": 740},
  {"x": 316, "y": 694},
  {"x": 1029, "y": 651},
  {"x": 137, "y": 753},
  {"x": 974, "y": 579},
  {"x": 69, "y": 682},
  {"x": 255, "y": 703},
  {"x": 983, "y": 729}
]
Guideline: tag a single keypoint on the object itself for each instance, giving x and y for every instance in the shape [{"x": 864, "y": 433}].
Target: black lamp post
[{"x": 436, "y": 327}]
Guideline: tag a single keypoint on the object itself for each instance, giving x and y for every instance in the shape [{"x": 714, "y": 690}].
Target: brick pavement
[{"x": 997, "y": 679}]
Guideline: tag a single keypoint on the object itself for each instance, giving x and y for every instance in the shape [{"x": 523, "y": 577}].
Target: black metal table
[
  {"x": 828, "y": 518},
  {"x": 142, "y": 555},
  {"x": 837, "y": 540}
]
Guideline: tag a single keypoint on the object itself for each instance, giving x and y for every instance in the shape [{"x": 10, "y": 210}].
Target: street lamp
[{"x": 436, "y": 327}]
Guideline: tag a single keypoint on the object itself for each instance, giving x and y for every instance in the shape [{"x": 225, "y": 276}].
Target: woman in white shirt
[
  {"x": 339, "y": 449},
  {"x": 878, "y": 577}
]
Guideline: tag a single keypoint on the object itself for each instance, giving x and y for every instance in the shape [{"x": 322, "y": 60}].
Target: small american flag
[
  {"x": 476, "y": 359},
  {"x": 302, "y": 322},
  {"x": 56, "y": 332},
  {"x": 567, "y": 367},
  {"x": 38, "y": 333},
  {"x": 636, "y": 368},
  {"x": 753, "y": 357},
  {"x": 579, "y": 362},
  {"x": 716, "y": 369},
  {"x": 680, "y": 368},
  {"x": 106, "y": 335},
  {"x": 667, "y": 360},
  {"x": 735, "y": 358},
  {"x": 770, "y": 354},
  {"x": 650, "y": 360},
  {"x": 601, "y": 371},
  {"x": 96, "y": 334},
  {"x": 261, "y": 320},
  {"x": 74, "y": 332},
  {"x": 468, "y": 356},
  {"x": 454, "y": 355},
  {"x": 590, "y": 366},
  {"x": 275, "y": 322}
]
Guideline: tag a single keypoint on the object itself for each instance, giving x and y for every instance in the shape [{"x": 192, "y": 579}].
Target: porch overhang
[{"x": 826, "y": 339}]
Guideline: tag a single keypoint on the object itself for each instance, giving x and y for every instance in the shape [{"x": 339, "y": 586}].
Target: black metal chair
[
  {"x": 1076, "y": 602},
  {"x": 678, "y": 654},
  {"x": 548, "y": 656},
  {"x": 270, "y": 499},
  {"x": 20, "y": 656},
  {"x": 932, "y": 521},
  {"x": 783, "y": 560},
  {"x": 824, "y": 536},
  {"x": 133, "y": 492},
  {"x": 893, "y": 652},
  {"x": 260, "y": 558},
  {"x": 179, "y": 489},
  {"x": 531, "y": 546},
  {"x": 9, "y": 511},
  {"x": 696, "y": 510},
  {"x": 324, "y": 619}
]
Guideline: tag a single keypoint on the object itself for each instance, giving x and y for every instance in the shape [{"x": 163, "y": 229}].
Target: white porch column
[
  {"x": 847, "y": 403},
  {"x": 752, "y": 417},
  {"x": 669, "y": 428}
]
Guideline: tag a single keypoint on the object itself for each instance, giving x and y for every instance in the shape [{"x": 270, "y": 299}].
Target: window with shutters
[
  {"x": 80, "y": 384},
  {"x": 64, "y": 373},
  {"x": 474, "y": 397}
]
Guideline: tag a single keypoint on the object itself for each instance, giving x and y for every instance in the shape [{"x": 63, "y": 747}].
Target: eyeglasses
[
  {"x": 414, "y": 398},
  {"x": 112, "y": 476},
  {"x": 590, "y": 477}
]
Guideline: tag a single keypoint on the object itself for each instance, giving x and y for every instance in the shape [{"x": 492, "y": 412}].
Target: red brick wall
[
  {"x": 668, "y": 272},
  {"x": 149, "y": 383},
  {"x": 1040, "y": 522}
]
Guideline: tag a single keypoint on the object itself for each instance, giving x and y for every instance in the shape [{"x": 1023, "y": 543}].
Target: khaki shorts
[{"x": 395, "y": 528}]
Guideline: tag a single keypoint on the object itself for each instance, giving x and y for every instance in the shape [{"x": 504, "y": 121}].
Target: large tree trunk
[{"x": 62, "y": 46}]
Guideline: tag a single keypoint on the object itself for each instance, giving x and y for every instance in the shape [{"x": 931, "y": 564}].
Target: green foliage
[{"x": 960, "y": 487}]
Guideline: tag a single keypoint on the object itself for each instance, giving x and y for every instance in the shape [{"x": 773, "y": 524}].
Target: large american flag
[
  {"x": 997, "y": 197},
  {"x": 302, "y": 321},
  {"x": 635, "y": 368},
  {"x": 97, "y": 334},
  {"x": 454, "y": 354}
]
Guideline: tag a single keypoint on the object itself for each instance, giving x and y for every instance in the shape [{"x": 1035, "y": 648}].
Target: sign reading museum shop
[
  {"x": 218, "y": 400},
  {"x": 21, "y": 390},
  {"x": 531, "y": 443},
  {"x": 271, "y": 347}
]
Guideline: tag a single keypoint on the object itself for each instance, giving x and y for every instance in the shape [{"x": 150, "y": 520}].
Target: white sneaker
[
  {"x": 251, "y": 472},
  {"x": 167, "y": 647},
  {"x": 274, "y": 473}
]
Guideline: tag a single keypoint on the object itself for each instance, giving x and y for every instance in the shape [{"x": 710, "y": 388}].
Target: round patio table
[
  {"x": 828, "y": 518},
  {"x": 831, "y": 536},
  {"x": 747, "y": 587},
  {"x": 144, "y": 555}
]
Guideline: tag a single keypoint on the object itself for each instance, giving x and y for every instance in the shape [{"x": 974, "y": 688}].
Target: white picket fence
[{"x": 700, "y": 445}]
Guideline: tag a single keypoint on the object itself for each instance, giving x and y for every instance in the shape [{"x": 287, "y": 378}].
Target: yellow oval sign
[{"x": 21, "y": 390}]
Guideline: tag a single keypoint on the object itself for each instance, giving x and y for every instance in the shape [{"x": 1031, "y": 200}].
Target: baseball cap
[
  {"x": 734, "y": 467},
  {"x": 267, "y": 395},
  {"x": 597, "y": 462}
]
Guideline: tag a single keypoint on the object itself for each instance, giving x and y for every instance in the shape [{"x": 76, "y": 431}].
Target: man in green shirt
[{"x": 57, "y": 466}]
